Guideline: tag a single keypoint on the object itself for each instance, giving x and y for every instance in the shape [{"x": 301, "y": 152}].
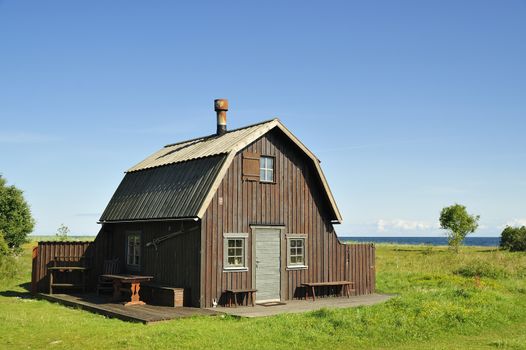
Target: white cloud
[
  {"x": 515, "y": 222},
  {"x": 399, "y": 224}
]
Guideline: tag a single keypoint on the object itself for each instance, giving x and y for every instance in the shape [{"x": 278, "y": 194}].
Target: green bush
[
  {"x": 9, "y": 265},
  {"x": 4, "y": 248},
  {"x": 513, "y": 238},
  {"x": 481, "y": 268}
]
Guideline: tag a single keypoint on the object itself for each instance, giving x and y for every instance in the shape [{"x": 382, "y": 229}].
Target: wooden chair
[{"x": 110, "y": 267}]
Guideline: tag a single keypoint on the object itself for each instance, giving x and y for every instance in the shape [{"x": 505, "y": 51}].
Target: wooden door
[{"x": 267, "y": 264}]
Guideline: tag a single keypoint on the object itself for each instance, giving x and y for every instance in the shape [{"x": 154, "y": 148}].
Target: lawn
[{"x": 441, "y": 304}]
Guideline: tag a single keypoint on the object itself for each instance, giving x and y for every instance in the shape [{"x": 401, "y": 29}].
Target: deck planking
[
  {"x": 299, "y": 306},
  {"x": 136, "y": 313}
]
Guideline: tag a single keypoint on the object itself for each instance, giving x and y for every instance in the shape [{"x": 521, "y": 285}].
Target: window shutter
[{"x": 250, "y": 166}]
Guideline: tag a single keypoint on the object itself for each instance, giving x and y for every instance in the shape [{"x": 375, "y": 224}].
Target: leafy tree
[
  {"x": 458, "y": 223},
  {"x": 16, "y": 221},
  {"x": 513, "y": 238},
  {"x": 62, "y": 233}
]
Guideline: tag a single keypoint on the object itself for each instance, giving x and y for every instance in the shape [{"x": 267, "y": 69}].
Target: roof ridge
[{"x": 203, "y": 138}]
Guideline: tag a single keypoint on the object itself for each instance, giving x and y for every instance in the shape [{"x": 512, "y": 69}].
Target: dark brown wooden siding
[
  {"x": 175, "y": 262},
  {"x": 295, "y": 201}
]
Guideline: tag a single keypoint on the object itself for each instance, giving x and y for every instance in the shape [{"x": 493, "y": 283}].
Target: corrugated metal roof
[
  {"x": 203, "y": 147},
  {"x": 172, "y": 191}
]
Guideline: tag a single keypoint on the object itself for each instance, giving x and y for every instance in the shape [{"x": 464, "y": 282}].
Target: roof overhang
[{"x": 147, "y": 220}]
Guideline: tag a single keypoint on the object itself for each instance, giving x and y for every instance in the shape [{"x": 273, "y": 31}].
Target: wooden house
[{"x": 245, "y": 208}]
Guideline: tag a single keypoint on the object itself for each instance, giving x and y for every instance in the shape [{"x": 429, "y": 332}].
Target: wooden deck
[
  {"x": 298, "y": 306},
  {"x": 135, "y": 313}
]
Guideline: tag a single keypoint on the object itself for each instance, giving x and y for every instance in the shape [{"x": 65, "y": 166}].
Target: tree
[
  {"x": 62, "y": 233},
  {"x": 16, "y": 221},
  {"x": 456, "y": 220},
  {"x": 513, "y": 238}
]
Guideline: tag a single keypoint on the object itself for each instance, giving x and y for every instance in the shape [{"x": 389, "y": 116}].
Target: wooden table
[
  {"x": 53, "y": 269},
  {"x": 345, "y": 287},
  {"x": 234, "y": 292},
  {"x": 128, "y": 283}
]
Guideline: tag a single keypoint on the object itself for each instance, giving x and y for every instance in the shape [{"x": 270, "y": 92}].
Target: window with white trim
[
  {"x": 234, "y": 254},
  {"x": 266, "y": 169},
  {"x": 133, "y": 250},
  {"x": 296, "y": 251}
]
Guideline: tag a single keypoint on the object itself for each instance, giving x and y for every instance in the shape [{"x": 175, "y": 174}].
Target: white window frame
[
  {"x": 297, "y": 236},
  {"x": 136, "y": 235},
  {"x": 264, "y": 168},
  {"x": 235, "y": 236}
]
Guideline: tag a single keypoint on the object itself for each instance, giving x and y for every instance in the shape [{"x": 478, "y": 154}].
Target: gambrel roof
[{"x": 179, "y": 180}]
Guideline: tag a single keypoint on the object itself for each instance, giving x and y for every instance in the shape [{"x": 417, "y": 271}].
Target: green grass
[{"x": 440, "y": 306}]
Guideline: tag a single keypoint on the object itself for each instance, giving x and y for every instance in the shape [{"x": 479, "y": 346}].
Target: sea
[{"x": 469, "y": 241}]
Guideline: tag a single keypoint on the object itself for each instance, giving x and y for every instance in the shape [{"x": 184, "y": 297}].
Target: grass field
[{"x": 441, "y": 305}]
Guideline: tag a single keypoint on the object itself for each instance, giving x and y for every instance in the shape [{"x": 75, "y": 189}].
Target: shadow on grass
[
  {"x": 16, "y": 294},
  {"x": 25, "y": 294}
]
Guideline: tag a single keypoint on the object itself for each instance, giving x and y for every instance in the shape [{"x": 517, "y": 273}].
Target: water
[{"x": 469, "y": 241}]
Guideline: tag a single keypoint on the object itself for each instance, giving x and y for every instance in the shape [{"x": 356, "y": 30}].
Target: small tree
[
  {"x": 458, "y": 223},
  {"x": 62, "y": 233},
  {"x": 16, "y": 221}
]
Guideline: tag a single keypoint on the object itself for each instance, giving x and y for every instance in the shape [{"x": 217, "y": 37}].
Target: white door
[{"x": 267, "y": 264}]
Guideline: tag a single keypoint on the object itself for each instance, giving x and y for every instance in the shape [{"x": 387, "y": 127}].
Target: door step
[{"x": 271, "y": 303}]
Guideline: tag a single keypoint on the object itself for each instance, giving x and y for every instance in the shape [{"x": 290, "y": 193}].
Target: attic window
[{"x": 266, "y": 169}]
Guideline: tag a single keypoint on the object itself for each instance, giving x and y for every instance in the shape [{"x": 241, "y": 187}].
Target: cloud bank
[
  {"x": 515, "y": 222},
  {"x": 407, "y": 225}
]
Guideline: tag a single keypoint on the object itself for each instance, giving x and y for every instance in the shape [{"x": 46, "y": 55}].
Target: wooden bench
[
  {"x": 163, "y": 295},
  {"x": 67, "y": 264},
  {"x": 345, "y": 287},
  {"x": 232, "y": 294}
]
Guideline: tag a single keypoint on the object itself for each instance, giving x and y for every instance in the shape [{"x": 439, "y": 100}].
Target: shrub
[
  {"x": 9, "y": 264},
  {"x": 4, "y": 249},
  {"x": 513, "y": 238},
  {"x": 10, "y": 268},
  {"x": 481, "y": 268}
]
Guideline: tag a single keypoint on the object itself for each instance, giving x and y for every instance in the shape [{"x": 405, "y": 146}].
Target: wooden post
[{"x": 51, "y": 282}]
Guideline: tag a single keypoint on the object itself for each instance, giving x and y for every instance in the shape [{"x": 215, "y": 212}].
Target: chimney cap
[{"x": 221, "y": 104}]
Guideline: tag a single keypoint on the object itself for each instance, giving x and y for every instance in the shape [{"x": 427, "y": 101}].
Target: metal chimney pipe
[{"x": 221, "y": 106}]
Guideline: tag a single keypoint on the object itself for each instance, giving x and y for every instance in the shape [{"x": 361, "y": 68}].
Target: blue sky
[{"x": 410, "y": 105}]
